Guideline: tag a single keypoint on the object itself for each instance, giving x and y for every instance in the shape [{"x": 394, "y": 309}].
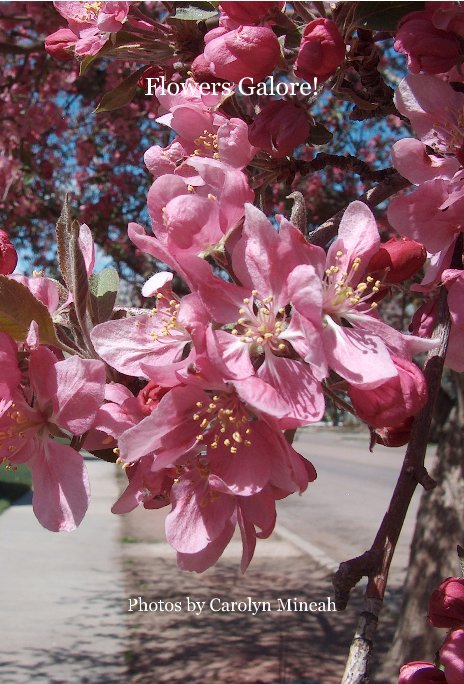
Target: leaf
[
  {"x": 383, "y": 16},
  {"x": 197, "y": 11},
  {"x": 63, "y": 233},
  {"x": 18, "y": 308},
  {"x": 319, "y": 135},
  {"x": 121, "y": 95},
  {"x": 79, "y": 284},
  {"x": 103, "y": 291}
]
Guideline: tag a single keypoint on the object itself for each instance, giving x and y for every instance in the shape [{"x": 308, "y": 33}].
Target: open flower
[{"x": 61, "y": 396}]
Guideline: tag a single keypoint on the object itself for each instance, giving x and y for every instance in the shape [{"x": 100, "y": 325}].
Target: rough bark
[{"x": 439, "y": 528}]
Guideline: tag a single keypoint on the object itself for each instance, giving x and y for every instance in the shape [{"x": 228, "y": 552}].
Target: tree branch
[{"x": 327, "y": 230}]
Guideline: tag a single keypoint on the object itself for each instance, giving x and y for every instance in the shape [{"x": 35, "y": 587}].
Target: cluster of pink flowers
[
  {"x": 271, "y": 324},
  {"x": 446, "y": 609}
]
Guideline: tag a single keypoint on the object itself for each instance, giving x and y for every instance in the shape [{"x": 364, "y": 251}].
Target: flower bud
[
  {"x": 150, "y": 396},
  {"x": 60, "y": 44},
  {"x": 250, "y": 12},
  {"x": 421, "y": 672},
  {"x": 446, "y": 605},
  {"x": 394, "y": 400},
  {"x": 392, "y": 437},
  {"x": 322, "y": 51},
  {"x": 249, "y": 51},
  {"x": 402, "y": 257},
  {"x": 279, "y": 128},
  {"x": 452, "y": 657},
  {"x": 428, "y": 49},
  {"x": 8, "y": 255}
]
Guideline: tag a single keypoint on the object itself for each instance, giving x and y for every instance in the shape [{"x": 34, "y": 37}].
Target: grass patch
[
  {"x": 13, "y": 484},
  {"x": 130, "y": 540}
]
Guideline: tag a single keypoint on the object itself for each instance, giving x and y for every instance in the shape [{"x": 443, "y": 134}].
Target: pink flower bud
[
  {"x": 250, "y": 12},
  {"x": 150, "y": 396},
  {"x": 202, "y": 72},
  {"x": 60, "y": 44},
  {"x": 394, "y": 436},
  {"x": 249, "y": 51},
  {"x": 402, "y": 257},
  {"x": 421, "y": 672},
  {"x": 322, "y": 51},
  {"x": 279, "y": 128},
  {"x": 452, "y": 657},
  {"x": 428, "y": 49},
  {"x": 8, "y": 255},
  {"x": 396, "y": 399},
  {"x": 446, "y": 605}
]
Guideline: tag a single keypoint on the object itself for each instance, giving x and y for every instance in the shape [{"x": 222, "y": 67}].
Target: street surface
[{"x": 340, "y": 513}]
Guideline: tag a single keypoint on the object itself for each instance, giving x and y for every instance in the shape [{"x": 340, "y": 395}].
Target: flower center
[
  {"x": 343, "y": 292},
  {"x": 91, "y": 10},
  {"x": 207, "y": 145},
  {"x": 14, "y": 425},
  {"x": 261, "y": 324},
  {"x": 224, "y": 421}
]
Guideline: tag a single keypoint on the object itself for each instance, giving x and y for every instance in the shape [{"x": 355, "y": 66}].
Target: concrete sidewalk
[{"x": 62, "y": 600}]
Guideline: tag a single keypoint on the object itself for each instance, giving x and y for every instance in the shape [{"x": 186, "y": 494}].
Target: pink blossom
[
  {"x": 106, "y": 16},
  {"x": 250, "y": 12},
  {"x": 435, "y": 111},
  {"x": 394, "y": 436},
  {"x": 60, "y": 44},
  {"x": 421, "y": 672},
  {"x": 150, "y": 488},
  {"x": 449, "y": 17},
  {"x": 274, "y": 359},
  {"x": 321, "y": 52},
  {"x": 446, "y": 605},
  {"x": 157, "y": 343},
  {"x": 455, "y": 353},
  {"x": 452, "y": 657},
  {"x": 249, "y": 51},
  {"x": 195, "y": 208},
  {"x": 427, "y": 216},
  {"x": 428, "y": 48},
  {"x": 411, "y": 159},
  {"x": 392, "y": 402},
  {"x": 279, "y": 128},
  {"x": 230, "y": 464},
  {"x": 360, "y": 352},
  {"x": 398, "y": 259},
  {"x": 63, "y": 395},
  {"x": 205, "y": 133},
  {"x": 8, "y": 255},
  {"x": 162, "y": 160},
  {"x": 11, "y": 374}
]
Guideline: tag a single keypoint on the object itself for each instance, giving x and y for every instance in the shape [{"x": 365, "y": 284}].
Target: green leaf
[
  {"x": 18, "y": 308},
  {"x": 121, "y": 95},
  {"x": 197, "y": 11},
  {"x": 103, "y": 291},
  {"x": 383, "y": 16}
]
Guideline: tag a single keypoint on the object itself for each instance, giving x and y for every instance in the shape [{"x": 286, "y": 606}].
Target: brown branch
[
  {"x": 378, "y": 559},
  {"x": 347, "y": 163},
  {"x": 14, "y": 49},
  {"x": 322, "y": 235}
]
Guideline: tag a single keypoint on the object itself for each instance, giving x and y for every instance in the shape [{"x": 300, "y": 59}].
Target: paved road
[
  {"x": 62, "y": 601},
  {"x": 340, "y": 513}
]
